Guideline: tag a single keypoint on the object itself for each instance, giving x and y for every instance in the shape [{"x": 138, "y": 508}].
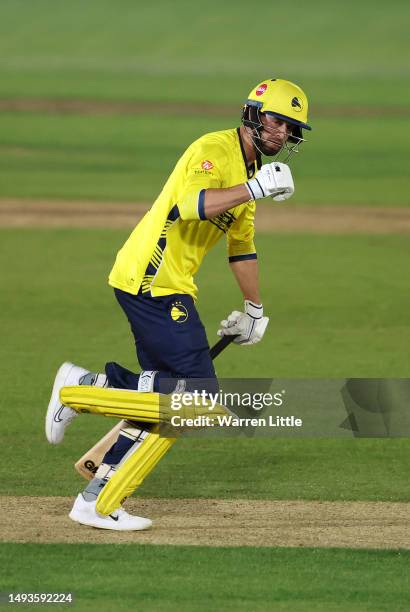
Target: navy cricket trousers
[{"x": 169, "y": 337}]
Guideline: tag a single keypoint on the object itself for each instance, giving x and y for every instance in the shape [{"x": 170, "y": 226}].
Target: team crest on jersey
[
  {"x": 207, "y": 165},
  {"x": 178, "y": 312},
  {"x": 261, "y": 89}
]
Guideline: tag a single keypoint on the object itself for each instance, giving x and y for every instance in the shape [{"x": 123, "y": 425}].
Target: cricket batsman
[{"x": 210, "y": 194}]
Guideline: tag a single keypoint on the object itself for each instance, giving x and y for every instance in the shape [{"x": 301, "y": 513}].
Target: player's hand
[
  {"x": 274, "y": 179},
  {"x": 249, "y": 325}
]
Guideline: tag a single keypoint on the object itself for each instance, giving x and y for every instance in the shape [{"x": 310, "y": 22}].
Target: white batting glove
[
  {"x": 249, "y": 325},
  {"x": 275, "y": 180}
]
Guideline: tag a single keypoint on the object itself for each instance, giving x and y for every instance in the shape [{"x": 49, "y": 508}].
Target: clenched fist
[{"x": 274, "y": 179}]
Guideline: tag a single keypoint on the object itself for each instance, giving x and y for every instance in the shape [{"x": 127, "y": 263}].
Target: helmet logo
[
  {"x": 261, "y": 89},
  {"x": 207, "y": 165},
  {"x": 297, "y": 104}
]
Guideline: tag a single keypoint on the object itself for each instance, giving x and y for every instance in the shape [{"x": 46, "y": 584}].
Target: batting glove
[
  {"x": 273, "y": 180},
  {"x": 249, "y": 325}
]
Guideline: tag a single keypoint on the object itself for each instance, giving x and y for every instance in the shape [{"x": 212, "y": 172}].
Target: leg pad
[{"x": 133, "y": 470}]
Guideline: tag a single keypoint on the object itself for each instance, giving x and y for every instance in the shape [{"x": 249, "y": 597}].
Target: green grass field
[
  {"x": 350, "y": 54},
  {"x": 338, "y": 304},
  {"x": 133, "y": 54},
  {"x": 158, "y": 578},
  {"x": 130, "y": 157},
  {"x": 333, "y": 315}
]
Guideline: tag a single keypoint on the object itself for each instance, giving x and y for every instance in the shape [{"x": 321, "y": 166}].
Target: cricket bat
[{"x": 88, "y": 464}]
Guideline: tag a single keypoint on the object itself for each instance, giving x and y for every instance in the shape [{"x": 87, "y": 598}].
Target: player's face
[{"x": 274, "y": 134}]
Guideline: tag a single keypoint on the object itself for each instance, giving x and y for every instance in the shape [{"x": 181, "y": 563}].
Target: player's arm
[
  {"x": 217, "y": 201},
  {"x": 242, "y": 253},
  {"x": 247, "y": 277},
  {"x": 273, "y": 180},
  {"x": 204, "y": 197},
  {"x": 249, "y": 325}
]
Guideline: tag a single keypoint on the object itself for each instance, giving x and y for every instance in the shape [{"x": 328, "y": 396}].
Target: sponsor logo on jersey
[
  {"x": 297, "y": 104},
  {"x": 207, "y": 165},
  {"x": 178, "y": 312},
  {"x": 261, "y": 89}
]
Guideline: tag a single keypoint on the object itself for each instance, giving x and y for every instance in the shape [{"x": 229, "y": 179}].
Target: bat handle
[{"x": 221, "y": 345}]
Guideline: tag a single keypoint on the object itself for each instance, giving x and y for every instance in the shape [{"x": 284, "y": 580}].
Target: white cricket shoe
[
  {"x": 84, "y": 512},
  {"x": 59, "y": 416}
]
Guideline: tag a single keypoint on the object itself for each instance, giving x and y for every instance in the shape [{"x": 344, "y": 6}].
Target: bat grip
[{"x": 221, "y": 345}]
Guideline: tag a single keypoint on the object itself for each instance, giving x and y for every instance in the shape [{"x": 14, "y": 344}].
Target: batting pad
[
  {"x": 133, "y": 471},
  {"x": 120, "y": 403},
  {"x": 134, "y": 405}
]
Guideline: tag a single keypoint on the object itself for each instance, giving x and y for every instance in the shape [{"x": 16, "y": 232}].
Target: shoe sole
[{"x": 55, "y": 404}]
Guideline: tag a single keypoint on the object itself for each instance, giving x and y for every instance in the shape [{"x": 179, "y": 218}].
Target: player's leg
[
  {"x": 135, "y": 466},
  {"x": 84, "y": 510},
  {"x": 158, "y": 351},
  {"x": 171, "y": 344},
  {"x": 178, "y": 352},
  {"x": 171, "y": 348}
]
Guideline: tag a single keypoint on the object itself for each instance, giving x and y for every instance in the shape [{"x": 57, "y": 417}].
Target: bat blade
[{"x": 89, "y": 462}]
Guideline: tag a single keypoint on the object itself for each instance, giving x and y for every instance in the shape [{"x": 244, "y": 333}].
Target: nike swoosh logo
[
  {"x": 58, "y": 414},
  {"x": 114, "y": 518}
]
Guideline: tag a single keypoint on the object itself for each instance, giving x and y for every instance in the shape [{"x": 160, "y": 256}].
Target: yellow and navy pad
[
  {"x": 134, "y": 405},
  {"x": 166, "y": 248},
  {"x": 133, "y": 470}
]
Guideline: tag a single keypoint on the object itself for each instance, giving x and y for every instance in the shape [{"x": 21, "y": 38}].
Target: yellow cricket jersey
[{"x": 166, "y": 248}]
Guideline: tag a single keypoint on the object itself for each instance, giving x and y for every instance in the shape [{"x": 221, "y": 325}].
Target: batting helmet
[{"x": 283, "y": 100}]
